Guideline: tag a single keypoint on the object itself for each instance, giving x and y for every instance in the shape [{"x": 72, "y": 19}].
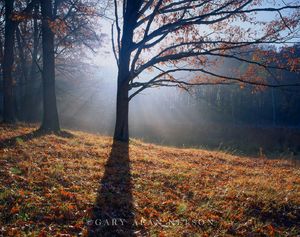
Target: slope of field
[{"x": 74, "y": 183}]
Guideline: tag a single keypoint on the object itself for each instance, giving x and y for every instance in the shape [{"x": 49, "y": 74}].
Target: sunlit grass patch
[{"x": 50, "y": 185}]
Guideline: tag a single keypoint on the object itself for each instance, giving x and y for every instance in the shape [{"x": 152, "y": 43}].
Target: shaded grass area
[
  {"x": 53, "y": 185},
  {"x": 241, "y": 140}
]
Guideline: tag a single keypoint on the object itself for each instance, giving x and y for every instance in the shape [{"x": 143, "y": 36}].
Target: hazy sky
[{"x": 105, "y": 58}]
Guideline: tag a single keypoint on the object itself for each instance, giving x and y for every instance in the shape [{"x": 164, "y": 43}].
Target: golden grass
[{"x": 49, "y": 185}]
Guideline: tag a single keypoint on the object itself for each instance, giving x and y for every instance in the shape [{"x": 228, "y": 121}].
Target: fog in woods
[
  {"x": 149, "y": 118},
  {"x": 233, "y": 118},
  {"x": 242, "y": 115}
]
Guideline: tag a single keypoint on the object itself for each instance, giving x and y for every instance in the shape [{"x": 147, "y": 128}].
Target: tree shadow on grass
[
  {"x": 11, "y": 142},
  {"x": 284, "y": 215},
  {"x": 113, "y": 211}
]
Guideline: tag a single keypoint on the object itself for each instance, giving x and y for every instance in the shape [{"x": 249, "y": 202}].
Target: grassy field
[{"x": 79, "y": 184}]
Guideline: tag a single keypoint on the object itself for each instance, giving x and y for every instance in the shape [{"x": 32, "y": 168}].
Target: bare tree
[{"x": 168, "y": 37}]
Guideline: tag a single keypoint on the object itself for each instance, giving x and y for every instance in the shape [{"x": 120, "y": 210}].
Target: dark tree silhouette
[
  {"x": 12, "y": 19},
  {"x": 168, "y": 37},
  {"x": 73, "y": 24},
  {"x": 8, "y": 99},
  {"x": 113, "y": 214},
  {"x": 50, "y": 115}
]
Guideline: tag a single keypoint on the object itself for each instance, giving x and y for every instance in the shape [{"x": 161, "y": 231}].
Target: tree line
[{"x": 244, "y": 104}]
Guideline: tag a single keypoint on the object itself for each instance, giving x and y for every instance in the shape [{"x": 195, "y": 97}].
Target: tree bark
[
  {"x": 23, "y": 76},
  {"x": 122, "y": 127},
  {"x": 32, "y": 98},
  {"x": 50, "y": 121},
  {"x": 1, "y": 51},
  {"x": 1, "y": 68},
  {"x": 8, "y": 61},
  {"x": 130, "y": 21}
]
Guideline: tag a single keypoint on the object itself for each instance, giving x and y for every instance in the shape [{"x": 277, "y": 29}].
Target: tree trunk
[
  {"x": 50, "y": 121},
  {"x": 23, "y": 76},
  {"x": 273, "y": 108},
  {"x": 1, "y": 50},
  {"x": 1, "y": 62},
  {"x": 8, "y": 61},
  {"x": 32, "y": 98},
  {"x": 122, "y": 128},
  {"x": 130, "y": 20}
]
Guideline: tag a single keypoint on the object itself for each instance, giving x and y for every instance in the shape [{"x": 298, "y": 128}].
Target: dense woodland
[{"x": 224, "y": 109}]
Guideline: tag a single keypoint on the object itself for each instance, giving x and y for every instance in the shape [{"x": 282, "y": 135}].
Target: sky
[{"x": 106, "y": 61}]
